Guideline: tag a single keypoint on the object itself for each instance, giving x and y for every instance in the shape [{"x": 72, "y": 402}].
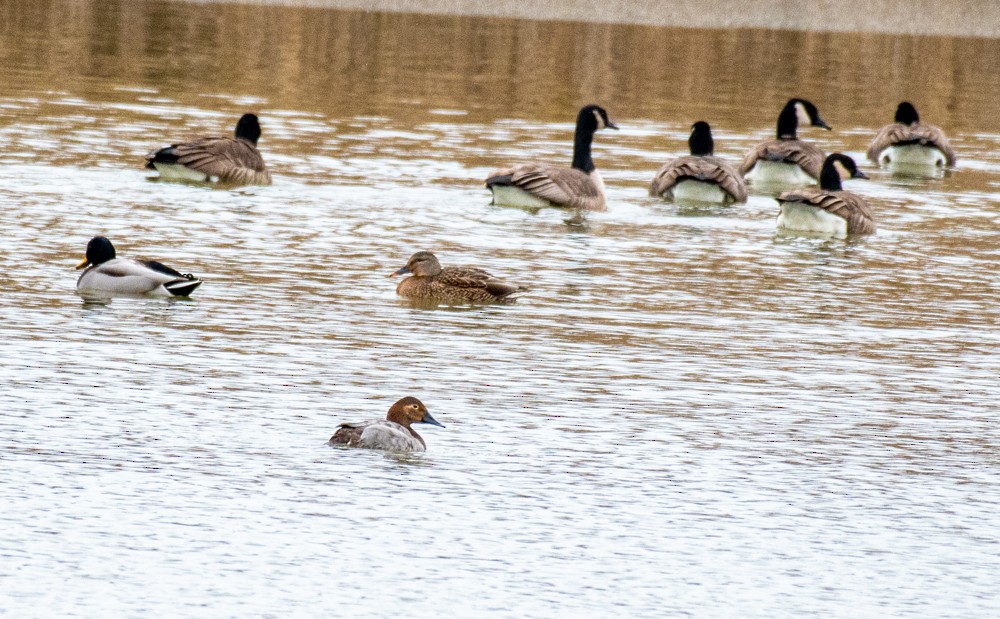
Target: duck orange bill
[
  {"x": 428, "y": 419},
  {"x": 83, "y": 263},
  {"x": 402, "y": 271}
]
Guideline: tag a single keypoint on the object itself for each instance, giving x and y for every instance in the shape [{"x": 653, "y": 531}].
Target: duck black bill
[
  {"x": 402, "y": 271},
  {"x": 434, "y": 422}
]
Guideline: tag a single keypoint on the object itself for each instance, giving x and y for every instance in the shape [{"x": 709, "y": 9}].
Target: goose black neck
[
  {"x": 581, "y": 148},
  {"x": 788, "y": 123},
  {"x": 829, "y": 177}
]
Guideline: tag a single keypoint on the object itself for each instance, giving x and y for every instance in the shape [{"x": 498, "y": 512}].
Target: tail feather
[
  {"x": 183, "y": 287},
  {"x": 502, "y": 179},
  {"x": 164, "y": 155}
]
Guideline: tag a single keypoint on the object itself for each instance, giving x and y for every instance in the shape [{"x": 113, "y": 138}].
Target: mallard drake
[
  {"x": 829, "y": 209},
  {"x": 108, "y": 274},
  {"x": 232, "y": 161},
  {"x": 787, "y": 160},
  {"x": 911, "y": 142},
  {"x": 431, "y": 282},
  {"x": 700, "y": 177},
  {"x": 531, "y": 185},
  {"x": 390, "y": 434}
]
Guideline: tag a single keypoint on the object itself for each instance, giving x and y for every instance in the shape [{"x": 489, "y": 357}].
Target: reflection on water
[{"x": 687, "y": 413}]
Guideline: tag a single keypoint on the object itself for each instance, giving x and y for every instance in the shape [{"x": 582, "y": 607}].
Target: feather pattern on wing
[
  {"x": 378, "y": 434},
  {"x": 844, "y": 204},
  {"x": 227, "y": 159},
  {"x": 705, "y": 169},
  {"x": 127, "y": 276},
  {"x": 898, "y": 134},
  {"x": 567, "y": 187},
  {"x": 457, "y": 284},
  {"x": 795, "y": 151}
]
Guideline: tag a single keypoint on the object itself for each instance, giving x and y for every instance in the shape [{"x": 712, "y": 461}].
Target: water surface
[{"x": 688, "y": 416}]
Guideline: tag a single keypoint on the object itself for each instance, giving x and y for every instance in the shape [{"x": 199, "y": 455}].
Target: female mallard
[
  {"x": 431, "y": 282},
  {"x": 390, "y": 434},
  {"x": 107, "y": 274},
  {"x": 787, "y": 160},
  {"x": 829, "y": 209},
  {"x": 533, "y": 185},
  {"x": 911, "y": 142},
  {"x": 232, "y": 161},
  {"x": 700, "y": 177}
]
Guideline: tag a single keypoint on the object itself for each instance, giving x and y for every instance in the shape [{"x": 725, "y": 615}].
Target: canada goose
[
  {"x": 787, "y": 160},
  {"x": 233, "y": 161},
  {"x": 431, "y": 282},
  {"x": 700, "y": 177},
  {"x": 534, "y": 185},
  {"x": 390, "y": 434},
  {"x": 911, "y": 142},
  {"x": 829, "y": 209},
  {"x": 110, "y": 275}
]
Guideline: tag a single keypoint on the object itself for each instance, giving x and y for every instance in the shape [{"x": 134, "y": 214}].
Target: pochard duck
[{"x": 390, "y": 434}]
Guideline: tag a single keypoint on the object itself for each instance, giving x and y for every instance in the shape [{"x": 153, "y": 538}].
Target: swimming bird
[
  {"x": 787, "y": 160},
  {"x": 911, "y": 142},
  {"x": 534, "y": 185},
  {"x": 232, "y": 161},
  {"x": 829, "y": 209},
  {"x": 431, "y": 282},
  {"x": 108, "y": 274},
  {"x": 390, "y": 434},
  {"x": 699, "y": 177}
]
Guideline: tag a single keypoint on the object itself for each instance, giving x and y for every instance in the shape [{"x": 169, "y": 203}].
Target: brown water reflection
[{"x": 370, "y": 63}]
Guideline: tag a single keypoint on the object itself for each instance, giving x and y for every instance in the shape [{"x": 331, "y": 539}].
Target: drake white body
[
  {"x": 125, "y": 276},
  {"x": 779, "y": 173},
  {"x": 387, "y": 436},
  {"x": 700, "y": 191},
  {"x": 806, "y": 218},
  {"x": 913, "y": 155}
]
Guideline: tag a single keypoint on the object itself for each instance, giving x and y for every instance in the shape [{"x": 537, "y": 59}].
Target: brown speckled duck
[
  {"x": 431, "y": 282},
  {"x": 390, "y": 434}
]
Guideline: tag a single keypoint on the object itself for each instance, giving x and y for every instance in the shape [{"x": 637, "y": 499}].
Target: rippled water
[{"x": 687, "y": 416}]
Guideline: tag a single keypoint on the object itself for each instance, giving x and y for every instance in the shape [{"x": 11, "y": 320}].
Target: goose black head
[
  {"x": 248, "y": 128},
  {"x": 594, "y": 118},
  {"x": 700, "y": 142},
  {"x": 906, "y": 114},
  {"x": 795, "y": 113},
  {"x": 838, "y": 167}
]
